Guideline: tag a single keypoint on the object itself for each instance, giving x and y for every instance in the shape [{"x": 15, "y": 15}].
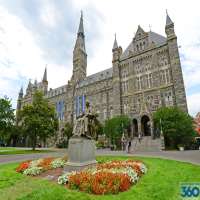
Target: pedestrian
[
  {"x": 139, "y": 137},
  {"x": 129, "y": 145},
  {"x": 123, "y": 142}
]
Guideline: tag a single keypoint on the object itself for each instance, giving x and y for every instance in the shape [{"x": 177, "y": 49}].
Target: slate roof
[
  {"x": 168, "y": 20},
  {"x": 102, "y": 75},
  {"x": 156, "y": 38}
]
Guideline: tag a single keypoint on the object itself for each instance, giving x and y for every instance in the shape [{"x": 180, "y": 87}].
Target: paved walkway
[{"x": 185, "y": 156}]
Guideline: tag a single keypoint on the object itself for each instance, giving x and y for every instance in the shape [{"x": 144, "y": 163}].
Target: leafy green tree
[
  {"x": 7, "y": 118},
  {"x": 68, "y": 130},
  {"x": 98, "y": 127},
  {"x": 39, "y": 119},
  {"x": 114, "y": 128},
  {"x": 177, "y": 126},
  {"x": 15, "y": 136}
]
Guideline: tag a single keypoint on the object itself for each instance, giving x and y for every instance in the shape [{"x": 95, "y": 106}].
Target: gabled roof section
[
  {"x": 96, "y": 77},
  {"x": 140, "y": 33},
  {"x": 153, "y": 38},
  {"x": 156, "y": 38}
]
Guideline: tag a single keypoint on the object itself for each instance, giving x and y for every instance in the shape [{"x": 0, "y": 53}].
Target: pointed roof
[
  {"x": 45, "y": 75},
  {"x": 80, "y": 28},
  {"x": 168, "y": 19},
  {"x": 153, "y": 37},
  {"x": 139, "y": 33},
  {"x": 21, "y": 91},
  {"x": 115, "y": 45},
  {"x": 35, "y": 82},
  {"x": 140, "y": 29}
]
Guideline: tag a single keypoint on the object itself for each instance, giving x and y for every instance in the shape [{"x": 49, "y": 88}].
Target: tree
[
  {"x": 197, "y": 123},
  {"x": 68, "y": 130},
  {"x": 7, "y": 118},
  {"x": 39, "y": 119},
  {"x": 98, "y": 127},
  {"x": 177, "y": 126},
  {"x": 114, "y": 128}
]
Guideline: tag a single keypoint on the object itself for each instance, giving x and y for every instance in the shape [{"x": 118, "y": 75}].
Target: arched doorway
[
  {"x": 135, "y": 127},
  {"x": 145, "y": 125}
]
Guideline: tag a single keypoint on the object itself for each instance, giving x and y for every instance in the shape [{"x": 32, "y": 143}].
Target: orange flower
[
  {"x": 46, "y": 163},
  {"x": 23, "y": 166},
  {"x": 100, "y": 182}
]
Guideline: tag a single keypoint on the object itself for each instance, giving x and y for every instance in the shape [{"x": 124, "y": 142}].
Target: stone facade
[{"x": 144, "y": 77}]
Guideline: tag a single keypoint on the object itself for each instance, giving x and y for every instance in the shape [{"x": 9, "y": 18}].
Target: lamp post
[{"x": 162, "y": 136}]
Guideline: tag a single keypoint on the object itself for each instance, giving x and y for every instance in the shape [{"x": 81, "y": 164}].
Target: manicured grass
[
  {"x": 21, "y": 151},
  {"x": 162, "y": 182},
  {"x": 7, "y": 148}
]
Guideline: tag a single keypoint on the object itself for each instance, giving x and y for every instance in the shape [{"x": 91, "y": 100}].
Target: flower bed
[
  {"x": 36, "y": 167},
  {"x": 106, "y": 178}
]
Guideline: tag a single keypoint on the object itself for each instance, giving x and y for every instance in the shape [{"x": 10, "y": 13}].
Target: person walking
[
  {"x": 123, "y": 142},
  {"x": 129, "y": 146},
  {"x": 139, "y": 137}
]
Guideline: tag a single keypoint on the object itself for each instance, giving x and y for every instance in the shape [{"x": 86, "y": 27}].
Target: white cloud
[
  {"x": 23, "y": 57},
  {"x": 49, "y": 15},
  {"x": 193, "y": 103},
  {"x": 18, "y": 49}
]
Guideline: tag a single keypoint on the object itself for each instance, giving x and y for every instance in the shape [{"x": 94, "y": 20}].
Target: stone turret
[
  {"x": 176, "y": 71},
  {"x": 45, "y": 82},
  {"x": 19, "y": 104},
  {"x": 19, "y": 100},
  {"x": 169, "y": 27},
  {"x": 116, "y": 52}
]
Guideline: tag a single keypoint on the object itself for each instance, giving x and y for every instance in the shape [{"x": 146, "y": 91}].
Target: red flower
[{"x": 23, "y": 166}]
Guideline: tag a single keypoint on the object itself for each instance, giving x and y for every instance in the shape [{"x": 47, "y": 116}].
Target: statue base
[{"x": 81, "y": 154}]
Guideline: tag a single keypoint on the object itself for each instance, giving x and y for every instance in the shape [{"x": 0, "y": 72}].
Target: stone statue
[{"x": 84, "y": 125}]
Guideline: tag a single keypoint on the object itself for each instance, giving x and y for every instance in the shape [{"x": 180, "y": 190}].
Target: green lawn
[
  {"x": 162, "y": 182},
  {"x": 12, "y": 150},
  {"x": 7, "y": 148}
]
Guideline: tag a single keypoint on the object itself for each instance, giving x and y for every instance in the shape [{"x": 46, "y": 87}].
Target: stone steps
[{"x": 147, "y": 144}]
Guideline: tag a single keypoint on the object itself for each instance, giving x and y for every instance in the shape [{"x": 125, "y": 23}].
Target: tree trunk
[{"x": 34, "y": 142}]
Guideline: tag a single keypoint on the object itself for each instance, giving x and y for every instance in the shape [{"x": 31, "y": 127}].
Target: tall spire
[
  {"x": 115, "y": 45},
  {"x": 21, "y": 92},
  {"x": 80, "y": 28},
  {"x": 45, "y": 75},
  {"x": 80, "y": 41},
  {"x": 168, "y": 19},
  {"x": 79, "y": 54}
]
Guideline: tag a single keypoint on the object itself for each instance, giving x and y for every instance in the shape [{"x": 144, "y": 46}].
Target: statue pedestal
[{"x": 81, "y": 154}]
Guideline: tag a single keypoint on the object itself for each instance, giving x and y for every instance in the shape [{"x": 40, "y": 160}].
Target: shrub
[{"x": 177, "y": 126}]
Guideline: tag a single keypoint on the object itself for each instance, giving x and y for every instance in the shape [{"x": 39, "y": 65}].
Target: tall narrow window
[
  {"x": 150, "y": 81},
  {"x": 104, "y": 114}
]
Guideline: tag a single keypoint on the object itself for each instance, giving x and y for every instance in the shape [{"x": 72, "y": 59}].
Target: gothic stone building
[{"x": 144, "y": 77}]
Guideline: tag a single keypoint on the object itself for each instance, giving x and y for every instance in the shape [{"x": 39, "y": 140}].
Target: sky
[{"x": 36, "y": 33}]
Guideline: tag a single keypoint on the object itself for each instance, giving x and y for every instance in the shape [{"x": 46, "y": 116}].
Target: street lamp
[{"x": 162, "y": 136}]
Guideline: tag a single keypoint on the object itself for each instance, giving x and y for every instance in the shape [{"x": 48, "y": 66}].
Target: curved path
[{"x": 185, "y": 156}]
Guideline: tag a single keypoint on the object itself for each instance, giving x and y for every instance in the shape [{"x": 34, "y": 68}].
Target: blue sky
[{"x": 34, "y": 33}]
